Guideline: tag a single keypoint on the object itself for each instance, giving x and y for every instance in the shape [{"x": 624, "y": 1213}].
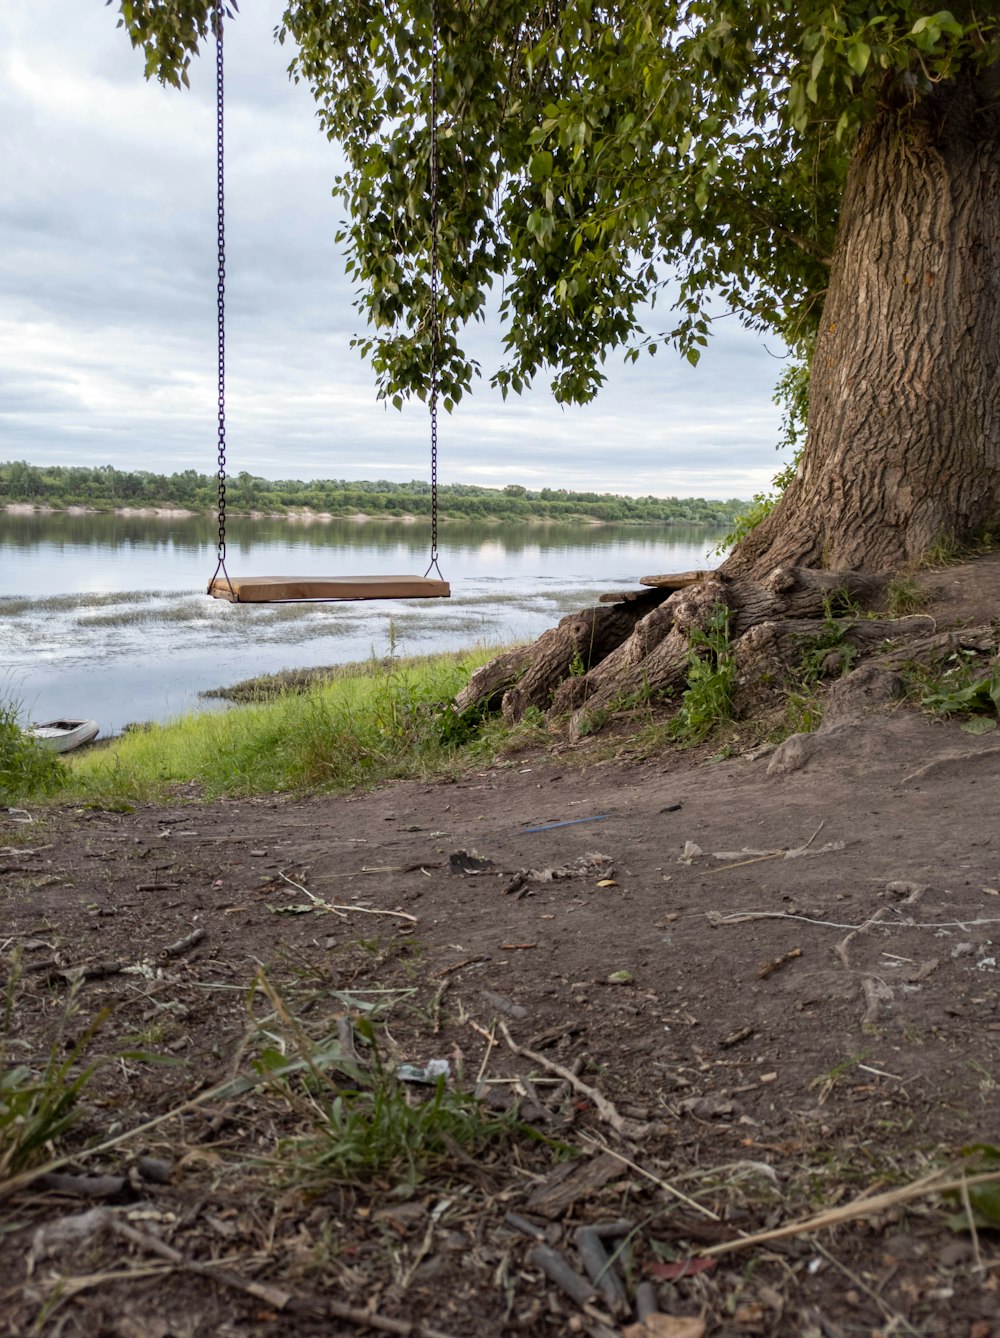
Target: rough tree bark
[{"x": 903, "y": 447}]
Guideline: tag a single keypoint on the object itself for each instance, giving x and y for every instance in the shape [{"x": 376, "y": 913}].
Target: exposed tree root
[{"x": 603, "y": 659}]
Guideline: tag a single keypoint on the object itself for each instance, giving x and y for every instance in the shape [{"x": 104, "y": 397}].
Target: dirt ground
[{"x": 721, "y": 996}]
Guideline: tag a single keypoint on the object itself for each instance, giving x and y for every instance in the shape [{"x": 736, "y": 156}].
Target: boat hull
[{"x": 62, "y": 736}]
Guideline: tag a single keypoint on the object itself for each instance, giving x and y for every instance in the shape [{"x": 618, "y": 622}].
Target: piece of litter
[
  {"x": 691, "y": 851},
  {"x": 569, "y": 822},
  {"x": 468, "y": 862},
  {"x": 427, "y": 1073}
]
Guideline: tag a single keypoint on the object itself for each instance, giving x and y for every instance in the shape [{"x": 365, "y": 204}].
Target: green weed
[
  {"x": 980, "y": 1203},
  {"x": 827, "y": 652},
  {"x": 38, "y": 1104},
  {"x": 358, "y": 1119},
  {"x": 964, "y": 687},
  {"x": 27, "y": 771},
  {"x": 803, "y": 713},
  {"x": 707, "y": 700}
]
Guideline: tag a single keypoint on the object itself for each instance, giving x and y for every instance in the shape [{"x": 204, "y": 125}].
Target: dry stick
[
  {"x": 491, "y": 1040},
  {"x": 660, "y": 1183},
  {"x": 436, "y": 1005},
  {"x": 841, "y": 947},
  {"x": 934, "y": 1183},
  {"x": 717, "y": 921},
  {"x": 66, "y": 1288},
  {"x": 369, "y": 910},
  {"x": 605, "y": 1109},
  {"x": 276, "y": 1296},
  {"x": 813, "y": 837},
  {"x": 769, "y": 968},
  {"x": 897, "y": 1320},
  {"x": 559, "y": 1271},
  {"x": 967, "y": 1205},
  {"x": 339, "y": 908},
  {"x": 316, "y": 901},
  {"x": 183, "y": 944},
  {"x": 771, "y": 854}
]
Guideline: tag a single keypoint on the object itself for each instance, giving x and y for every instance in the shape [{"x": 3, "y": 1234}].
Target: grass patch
[
  {"x": 355, "y": 1117},
  {"x": 39, "y": 1101},
  {"x": 904, "y": 596},
  {"x": 27, "y": 771},
  {"x": 352, "y": 730}
]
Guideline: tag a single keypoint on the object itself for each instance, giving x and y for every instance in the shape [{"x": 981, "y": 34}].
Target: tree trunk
[{"x": 903, "y": 448}]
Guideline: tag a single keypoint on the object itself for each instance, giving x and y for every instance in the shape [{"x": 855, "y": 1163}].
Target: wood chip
[{"x": 573, "y": 1181}]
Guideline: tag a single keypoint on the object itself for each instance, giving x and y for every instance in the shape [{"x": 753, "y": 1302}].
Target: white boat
[{"x": 61, "y": 736}]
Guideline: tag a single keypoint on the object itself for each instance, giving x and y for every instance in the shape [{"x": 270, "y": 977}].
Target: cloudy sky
[{"x": 107, "y": 297}]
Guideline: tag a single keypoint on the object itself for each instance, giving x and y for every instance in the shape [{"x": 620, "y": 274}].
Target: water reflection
[{"x": 164, "y": 535}]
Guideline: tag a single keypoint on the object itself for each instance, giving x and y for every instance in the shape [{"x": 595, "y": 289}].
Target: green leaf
[
  {"x": 858, "y": 56},
  {"x": 979, "y": 724}
]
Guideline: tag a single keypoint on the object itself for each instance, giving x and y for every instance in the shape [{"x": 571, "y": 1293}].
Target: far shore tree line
[{"x": 105, "y": 488}]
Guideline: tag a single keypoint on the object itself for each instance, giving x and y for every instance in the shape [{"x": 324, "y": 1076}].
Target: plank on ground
[{"x": 288, "y": 589}]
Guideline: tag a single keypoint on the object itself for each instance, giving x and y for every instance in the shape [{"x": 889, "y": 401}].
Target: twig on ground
[
  {"x": 717, "y": 921},
  {"x": 316, "y": 901},
  {"x": 567, "y": 1279},
  {"x": 457, "y": 966},
  {"x": 490, "y": 1038},
  {"x": 654, "y": 1179},
  {"x": 899, "y": 1322},
  {"x": 184, "y": 944},
  {"x": 343, "y": 908},
  {"x": 754, "y": 859},
  {"x": 606, "y": 1111},
  {"x": 936, "y": 1182},
  {"x": 841, "y": 948},
  {"x": 320, "y": 1306},
  {"x": 973, "y": 1233},
  {"x": 769, "y": 968},
  {"x": 340, "y": 907}
]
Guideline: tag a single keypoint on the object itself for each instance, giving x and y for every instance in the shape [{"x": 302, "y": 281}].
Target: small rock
[{"x": 956, "y": 1252}]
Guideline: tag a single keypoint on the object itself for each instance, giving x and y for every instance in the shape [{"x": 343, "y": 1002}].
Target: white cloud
[{"x": 107, "y": 297}]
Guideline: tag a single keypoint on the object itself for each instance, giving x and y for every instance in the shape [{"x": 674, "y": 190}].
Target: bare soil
[{"x": 774, "y": 991}]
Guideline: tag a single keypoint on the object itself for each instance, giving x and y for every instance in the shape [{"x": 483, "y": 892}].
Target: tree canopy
[{"x": 593, "y": 157}]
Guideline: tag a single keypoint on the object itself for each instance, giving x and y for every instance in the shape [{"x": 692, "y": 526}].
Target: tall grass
[
  {"x": 397, "y": 720},
  {"x": 27, "y": 770}
]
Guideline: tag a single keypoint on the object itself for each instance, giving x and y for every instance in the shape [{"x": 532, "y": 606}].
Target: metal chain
[
  {"x": 221, "y": 289},
  {"x": 435, "y": 316}
]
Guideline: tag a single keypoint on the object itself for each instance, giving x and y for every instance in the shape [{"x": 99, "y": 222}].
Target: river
[{"x": 103, "y": 616}]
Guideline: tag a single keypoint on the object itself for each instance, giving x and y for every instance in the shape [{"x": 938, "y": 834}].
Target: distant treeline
[{"x": 105, "y": 488}]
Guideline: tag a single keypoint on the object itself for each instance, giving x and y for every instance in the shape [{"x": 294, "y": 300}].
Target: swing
[{"x": 303, "y": 589}]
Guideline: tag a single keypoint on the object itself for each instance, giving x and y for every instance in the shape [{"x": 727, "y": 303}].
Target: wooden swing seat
[{"x": 292, "y": 589}]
